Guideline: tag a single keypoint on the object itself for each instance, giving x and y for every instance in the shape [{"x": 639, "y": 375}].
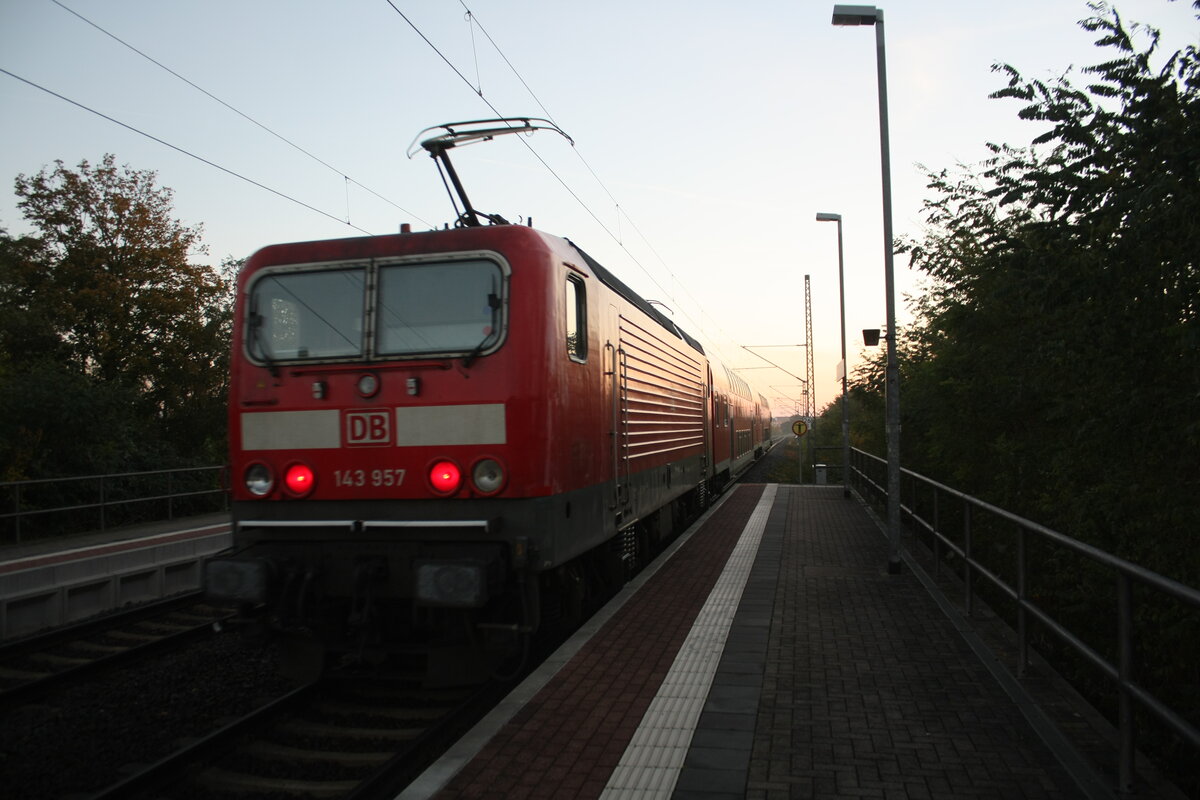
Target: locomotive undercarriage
[{"x": 421, "y": 605}]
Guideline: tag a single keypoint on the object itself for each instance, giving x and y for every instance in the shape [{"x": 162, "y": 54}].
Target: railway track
[
  {"x": 31, "y": 667},
  {"x": 345, "y": 736}
]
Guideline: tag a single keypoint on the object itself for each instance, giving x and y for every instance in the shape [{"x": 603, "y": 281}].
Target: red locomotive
[{"x": 443, "y": 440}]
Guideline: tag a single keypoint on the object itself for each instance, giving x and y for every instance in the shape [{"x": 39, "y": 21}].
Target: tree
[
  {"x": 27, "y": 332},
  {"x": 57, "y": 422},
  {"x": 1055, "y": 367},
  {"x": 106, "y": 291},
  {"x": 1057, "y": 364}
]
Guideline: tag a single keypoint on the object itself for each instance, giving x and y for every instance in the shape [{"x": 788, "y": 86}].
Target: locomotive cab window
[
  {"x": 576, "y": 319},
  {"x": 307, "y": 315},
  {"x": 441, "y": 308}
]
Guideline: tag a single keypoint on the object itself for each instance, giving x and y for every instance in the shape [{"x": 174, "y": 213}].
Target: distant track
[{"x": 31, "y": 667}]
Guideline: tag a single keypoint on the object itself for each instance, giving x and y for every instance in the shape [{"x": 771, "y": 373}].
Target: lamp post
[
  {"x": 823, "y": 217},
  {"x": 870, "y": 15}
]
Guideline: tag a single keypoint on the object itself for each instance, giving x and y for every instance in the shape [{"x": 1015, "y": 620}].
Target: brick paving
[
  {"x": 868, "y": 690},
  {"x": 837, "y": 681}
]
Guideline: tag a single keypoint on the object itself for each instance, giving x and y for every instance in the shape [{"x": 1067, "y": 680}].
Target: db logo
[{"x": 367, "y": 428}]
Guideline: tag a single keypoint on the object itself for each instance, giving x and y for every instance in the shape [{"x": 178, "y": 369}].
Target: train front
[{"x": 380, "y": 501}]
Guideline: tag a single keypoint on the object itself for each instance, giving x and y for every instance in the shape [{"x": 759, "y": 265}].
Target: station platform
[
  {"x": 771, "y": 655},
  {"x": 56, "y": 582}
]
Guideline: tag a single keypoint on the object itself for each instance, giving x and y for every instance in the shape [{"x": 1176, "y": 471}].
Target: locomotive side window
[
  {"x": 452, "y": 307},
  {"x": 576, "y": 319},
  {"x": 299, "y": 315}
]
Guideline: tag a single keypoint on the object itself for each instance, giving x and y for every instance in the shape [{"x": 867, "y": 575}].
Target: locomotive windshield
[
  {"x": 420, "y": 309},
  {"x": 302, "y": 315},
  {"x": 438, "y": 308}
]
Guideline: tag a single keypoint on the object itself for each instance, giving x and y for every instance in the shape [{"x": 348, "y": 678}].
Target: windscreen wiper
[
  {"x": 258, "y": 346},
  {"x": 494, "y": 304}
]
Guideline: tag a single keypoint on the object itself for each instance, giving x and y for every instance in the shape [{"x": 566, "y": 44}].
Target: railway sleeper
[
  {"x": 100, "y": 649},
  {"x": 134, "y": 636},
  {"x": 343, "y": 708},
  {"x": 282, "y": 752},
  {"x": 56, "y": 660},
  {"x": 325, "y": 730},
  {"x": 229, "y": 781}
]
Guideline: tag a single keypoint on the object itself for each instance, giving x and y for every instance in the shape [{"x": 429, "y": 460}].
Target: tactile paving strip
[{"x": 651, "y": 763}]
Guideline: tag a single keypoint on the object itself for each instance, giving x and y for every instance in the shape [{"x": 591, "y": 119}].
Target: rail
[
  {"x": 53, "y": 507},
  {"x": 868, "y": 473}
]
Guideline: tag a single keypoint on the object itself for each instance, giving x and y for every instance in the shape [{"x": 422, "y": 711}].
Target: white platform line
[{"x": 652, "y": 762}]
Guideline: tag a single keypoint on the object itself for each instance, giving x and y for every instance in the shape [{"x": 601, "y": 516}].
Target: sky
[{"x": 706, "y": 135}]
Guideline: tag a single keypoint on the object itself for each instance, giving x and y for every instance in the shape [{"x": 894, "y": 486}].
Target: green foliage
[
  {"x": 57, "y": 422},
  {"x": 866, "y": 422},
  {"x": 1055, "y": 369},
  {"x": 1055, "y": 366},
  {"x": 103, "y": 309}
]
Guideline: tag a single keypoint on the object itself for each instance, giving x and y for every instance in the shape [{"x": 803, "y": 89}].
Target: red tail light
[
  {"x": 445, "y": 477},
  {"x": 299, "y": 479}
]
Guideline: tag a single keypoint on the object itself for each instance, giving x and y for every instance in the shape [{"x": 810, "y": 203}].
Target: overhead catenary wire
[
  {"x": 620, "y": 212},
  {"x": 537, "y": 155},
  {"x": 623, "y": 221},
  {"x": 241, "y": 114},
  {"x": 181, "y": 150},
  {"x": 498, "y": 113},
  {"x": 474, "y": 21}
]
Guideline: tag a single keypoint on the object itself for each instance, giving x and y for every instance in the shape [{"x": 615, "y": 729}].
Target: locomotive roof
[{"x": 617, "y": 285}]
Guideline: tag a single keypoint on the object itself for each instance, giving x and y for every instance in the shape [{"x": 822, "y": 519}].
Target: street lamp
[
  {"x": 870, "y": 15},
  {"x": 823, "y": 217}
]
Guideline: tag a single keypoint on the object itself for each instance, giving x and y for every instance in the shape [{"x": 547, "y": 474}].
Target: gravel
[
  {"x": 82, "y": 740},
  {"x": 777, "y": 466}
]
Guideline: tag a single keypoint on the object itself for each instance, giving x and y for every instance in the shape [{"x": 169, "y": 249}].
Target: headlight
[
  {"x": 488, "y": 476},
  {"x": 368, "y": 384},
  {"x": 259, "y": 480}
]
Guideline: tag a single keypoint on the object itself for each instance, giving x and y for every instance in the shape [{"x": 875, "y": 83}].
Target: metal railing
[
  {"x": 943, "y": 510},
  {"x": 52, "y": 507}
]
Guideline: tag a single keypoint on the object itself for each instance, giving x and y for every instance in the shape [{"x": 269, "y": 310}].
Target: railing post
[
  {"x": 912, "y": 508},
  {"x": 1022, "y": 630},
  {"x": 170, "y": 496},
  {"x": 17, "y": 510},
  {"x": 881, "y": 481},
  {"x": 103, "y": 507},
  {"x": 970, "y": 601},
  {"x": 1125, "y": 774},
  {"x": 937, "y": 538}
]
